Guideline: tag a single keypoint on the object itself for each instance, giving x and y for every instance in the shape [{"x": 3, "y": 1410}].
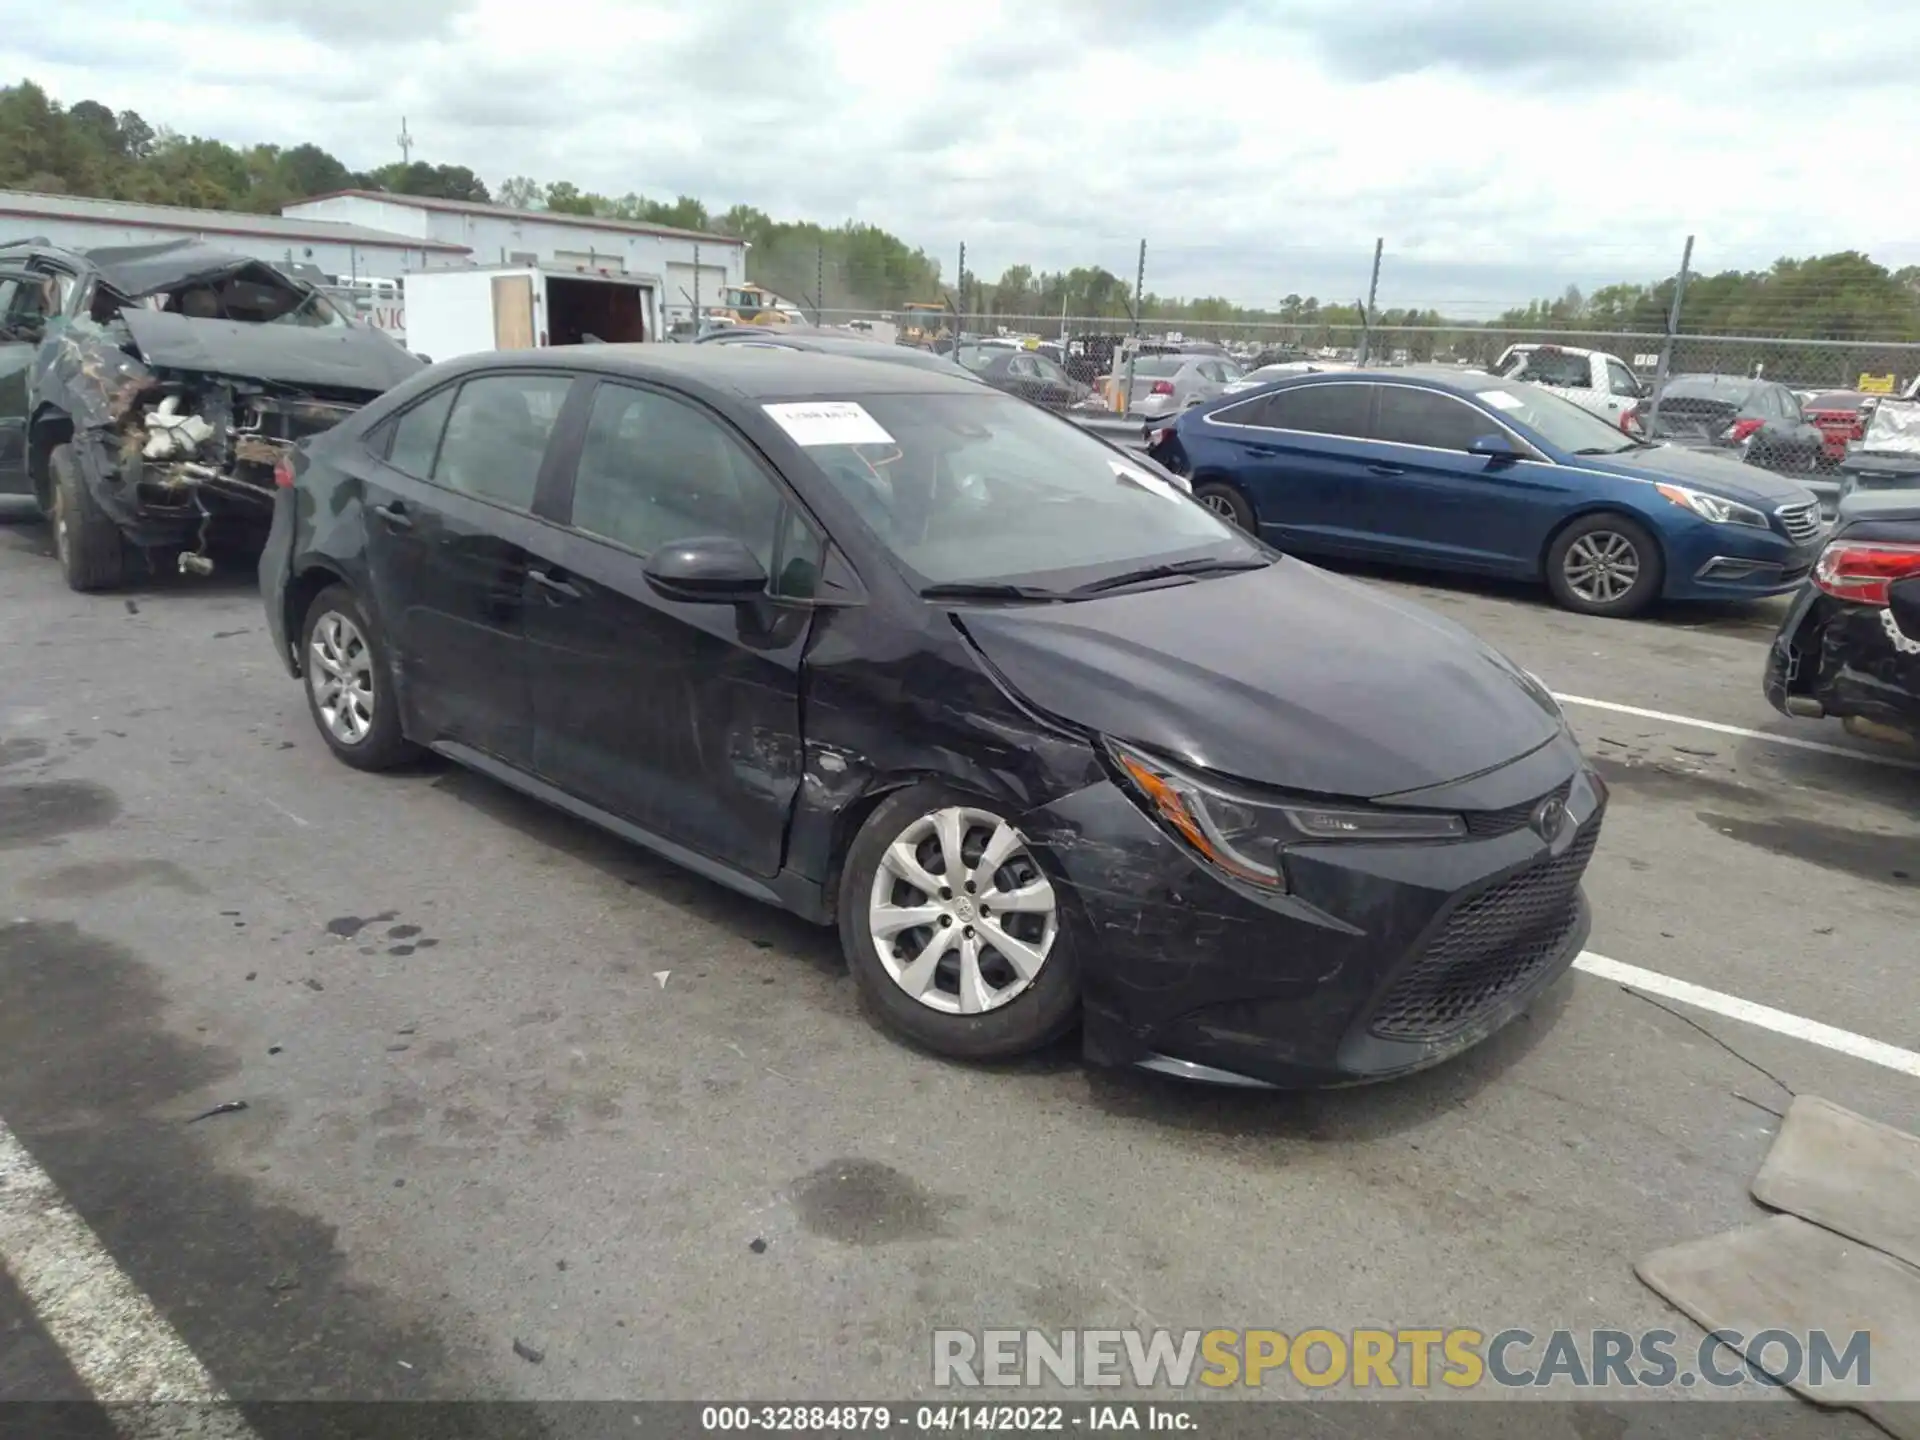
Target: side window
[
  {"x": 414, "y": 438},
  {"x": 1049, "y": 371},
  {"x": 497, "y": 436},
  {"x": 1424, "y": 417},
  {"x": 797, "y": 557},
  {"x": 654, "y": 469},
  {"x": 1319, "y": 410},
  {"x": 1620, "y": 380},
  {"x": 23, "y": 308},
  {"x": 1790, "y": 405},
  {"x": 1021, "y": 368}
]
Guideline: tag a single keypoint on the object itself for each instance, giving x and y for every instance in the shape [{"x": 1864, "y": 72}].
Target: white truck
[
  {"x": 523, "y": 307},
  {"x": 1591, "y": 379}
]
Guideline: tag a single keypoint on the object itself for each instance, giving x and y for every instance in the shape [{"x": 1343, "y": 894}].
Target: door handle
[
  {"x": 1386, "y": 470},
  {"x": 1265, "y": 451},
  {"x": 395, "y": 515},
  {"x": 555, "y": 587}
]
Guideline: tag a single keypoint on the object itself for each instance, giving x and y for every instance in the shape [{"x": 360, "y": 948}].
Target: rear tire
[
  {"x": 1605, "y": 564},
  {"x": 344, "y": 662},
  {"x": 931, "y": 945},
  {"x": 1228, "y": 503},
  {"x": 89, "y": 546}
]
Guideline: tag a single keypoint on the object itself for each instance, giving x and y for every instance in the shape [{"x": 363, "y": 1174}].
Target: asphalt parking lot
[{"x": 509, "y": 1079}]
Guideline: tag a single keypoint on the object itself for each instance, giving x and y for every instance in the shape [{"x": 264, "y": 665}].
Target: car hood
[
  {"x": 1288, "y": 676},
  {"x": 1723, "y": 475},
  {"x": 335, "y": 357}
]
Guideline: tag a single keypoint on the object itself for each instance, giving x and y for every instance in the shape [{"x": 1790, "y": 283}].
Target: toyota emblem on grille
[{"x": 1547, "y": 817}]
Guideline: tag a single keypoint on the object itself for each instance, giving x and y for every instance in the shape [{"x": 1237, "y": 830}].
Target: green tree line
[{"x": 89, "y": 149}]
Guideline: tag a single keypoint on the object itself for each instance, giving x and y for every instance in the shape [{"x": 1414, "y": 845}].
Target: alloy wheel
[
  {"x": 960, "y": 915},
  {"x": 1219, "y": 505},
  {"x": 341, "y": 676},
  {"x": 1601, "y": 566}
]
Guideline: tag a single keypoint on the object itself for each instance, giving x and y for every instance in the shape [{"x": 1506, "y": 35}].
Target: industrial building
[
  {"x": 500, "y": 235},
  {"x": 335, "y": 247}
]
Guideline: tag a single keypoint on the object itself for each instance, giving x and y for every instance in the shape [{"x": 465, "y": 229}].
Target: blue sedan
[{"x": 1455, "y": 470}]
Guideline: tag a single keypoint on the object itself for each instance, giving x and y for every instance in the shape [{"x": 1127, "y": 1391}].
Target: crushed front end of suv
[{"x": 166, "y": 385}]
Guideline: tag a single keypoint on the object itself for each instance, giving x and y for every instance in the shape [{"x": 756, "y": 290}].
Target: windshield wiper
[
  {"x": 1614, "y": 450},
  {"x": 988, "y": 590},
  {"x": 1168, "y": 571}
]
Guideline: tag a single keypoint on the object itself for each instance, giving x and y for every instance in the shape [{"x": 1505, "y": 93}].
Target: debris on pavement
[
  {"x": 231, "y": 1107},
  {"x": 661, "y": 976},
  {"x": 527, "y": 1353},
  {"x": 758, "y": 1247}
]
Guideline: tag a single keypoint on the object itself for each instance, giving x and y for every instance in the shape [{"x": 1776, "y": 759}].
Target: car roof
[{"x": 748, "y": 372}]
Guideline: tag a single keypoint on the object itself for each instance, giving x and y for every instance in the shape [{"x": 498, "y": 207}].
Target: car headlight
[
  {"x": 1244, "y": 836},
  {"x": 1716, "y": 508}
]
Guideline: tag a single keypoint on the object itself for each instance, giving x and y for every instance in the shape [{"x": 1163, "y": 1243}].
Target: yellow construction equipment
[
  {"x": 920, "y": 322},
  {"x": 752, "y": 305}
]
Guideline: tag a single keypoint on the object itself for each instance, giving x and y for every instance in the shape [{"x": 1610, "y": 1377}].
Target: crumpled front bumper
[{"x": 1384, "y": 959}]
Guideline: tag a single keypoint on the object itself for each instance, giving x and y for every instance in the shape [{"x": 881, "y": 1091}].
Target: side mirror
[
  {"x": 1494, "y": 448},
  {"x": 1904, "y": 601},
  {"x": 710, "y": 569}
]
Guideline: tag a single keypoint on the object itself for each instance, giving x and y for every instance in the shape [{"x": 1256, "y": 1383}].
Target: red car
[{"x": 1841, "y": 416}]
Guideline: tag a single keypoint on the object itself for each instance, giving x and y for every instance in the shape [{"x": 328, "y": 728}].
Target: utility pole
[
  {"x": 406, "y": 143},
  {"x": 1673, "y": 330},
  {"x": 1373, "y": 292},
  {"x": 1133, "y": 350}
]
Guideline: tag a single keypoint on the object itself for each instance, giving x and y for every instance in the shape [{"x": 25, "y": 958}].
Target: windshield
[
  {"x": 981, "y": 489},
  {"x": 1560, "y": 422},
  {"x": 1552, "y": 367}
]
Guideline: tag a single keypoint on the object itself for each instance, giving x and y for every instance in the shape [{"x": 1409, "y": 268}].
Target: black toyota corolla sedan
[{"x": 1042, "y": 736}]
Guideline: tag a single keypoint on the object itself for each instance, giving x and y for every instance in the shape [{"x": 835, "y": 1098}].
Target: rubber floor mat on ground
[
  {"x": 1787, "y": 1275},
  {"x": 1848, "y": 1173}
]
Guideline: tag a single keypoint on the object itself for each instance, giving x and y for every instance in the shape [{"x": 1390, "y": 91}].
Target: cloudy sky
[{"x": 1503, "y": 148}]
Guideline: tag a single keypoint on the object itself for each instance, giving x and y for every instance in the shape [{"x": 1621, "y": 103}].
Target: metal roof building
[
  {"x": 501, "y": 235},
  {"x": 333, "y": 246}
]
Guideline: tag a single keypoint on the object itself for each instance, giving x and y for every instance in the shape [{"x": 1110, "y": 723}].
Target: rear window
[
  {"x": 1709, "y": 387},
  {"x": 1555, "y": 367},
  {"x": 1835, "y": 400},
  {"x": 1158, "y": 365}
]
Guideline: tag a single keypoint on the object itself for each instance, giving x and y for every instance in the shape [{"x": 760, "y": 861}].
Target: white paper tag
[
  {"x": 828, "y": 422},
  {"x": 1147, "y": 482},
  {"x": 1501, "y": 400}
]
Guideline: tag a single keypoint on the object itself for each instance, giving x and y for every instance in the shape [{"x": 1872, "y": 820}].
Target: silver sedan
[{"x": 1165, "y": 385}]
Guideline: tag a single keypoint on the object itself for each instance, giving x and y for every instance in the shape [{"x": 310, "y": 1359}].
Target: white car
[
  {"x": 1591, "y": 379},
  {"x": 1284, "y": 370}
]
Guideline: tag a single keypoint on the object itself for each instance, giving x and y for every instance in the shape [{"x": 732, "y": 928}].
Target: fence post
[
  {"x": 696, "y": 290},
  {"x": 1133, "y": 353},
  {"x": 960, "y": 295},
  {"x": 1373, "y": 291},
  {"x": 1665, "y": 367},
  {"x": 819, "y": 280}
]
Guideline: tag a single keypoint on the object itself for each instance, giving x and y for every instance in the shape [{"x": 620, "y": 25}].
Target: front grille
[
  {"x": 1801, "y": 522},
  {"x": 1490, "y": 947},
  {"x": 1486, "y": 824}
]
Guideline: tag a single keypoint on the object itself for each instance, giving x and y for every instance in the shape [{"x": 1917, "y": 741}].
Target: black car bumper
[
  {"x": 1836, "y": 659},
  {"x": 1384, "y": 958}
]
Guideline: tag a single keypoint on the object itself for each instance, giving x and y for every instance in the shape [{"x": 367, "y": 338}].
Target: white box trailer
[{"x": 524, "y": 307}]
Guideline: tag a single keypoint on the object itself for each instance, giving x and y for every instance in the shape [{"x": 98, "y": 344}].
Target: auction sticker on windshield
[
  {"x": 1501, "y": 400},
  {"x": 828, "y": 422}
]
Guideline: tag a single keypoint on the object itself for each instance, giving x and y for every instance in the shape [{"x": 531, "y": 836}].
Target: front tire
[
  {"x": 1605, "y": 565},
  {"x": 89, "y": 546},
  {"x": 953, "y": 932},
  {"x": 1228, "y": 503},
  {"x": 349, "y": 691}
]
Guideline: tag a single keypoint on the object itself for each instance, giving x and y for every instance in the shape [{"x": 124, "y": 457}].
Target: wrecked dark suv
[{"x": 147, "y": 394}]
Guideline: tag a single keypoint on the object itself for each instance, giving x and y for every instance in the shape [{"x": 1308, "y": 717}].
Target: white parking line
[
  {"x": 124, "y": 1352},
  {"x": 1860, "y": 1047},
  {"x": 1794, "y": 741}
]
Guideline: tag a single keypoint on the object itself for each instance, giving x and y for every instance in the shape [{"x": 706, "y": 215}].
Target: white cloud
[{"x": 1504, "y": 148}]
